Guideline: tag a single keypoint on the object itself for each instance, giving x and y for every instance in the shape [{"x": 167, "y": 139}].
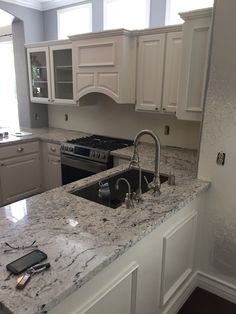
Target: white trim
[
  {"x": 43, "y": 6},
  {"x": 26, "y": 3},
  {"x": 217, "y": 286},
  {"x": 202, "y": 280}
]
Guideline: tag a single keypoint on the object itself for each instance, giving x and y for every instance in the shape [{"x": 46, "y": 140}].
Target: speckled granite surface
[
  {"x": 44, "y": 134},
  {"x": 82, "y": 237}
]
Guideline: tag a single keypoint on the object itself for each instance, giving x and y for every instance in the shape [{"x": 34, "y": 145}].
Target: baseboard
[
  {"x": 216, "y": 286},
  {"x": 204, "y": 281},
  {"x": 181, "y": 296}
]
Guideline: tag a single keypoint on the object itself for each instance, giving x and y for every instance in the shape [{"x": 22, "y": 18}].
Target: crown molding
[
  {"x": 44, "y": 5},
  {"x": 48, "y": 5},
  {"x": 26, "y": 3}
]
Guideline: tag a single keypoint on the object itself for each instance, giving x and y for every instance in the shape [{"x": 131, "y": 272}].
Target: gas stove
[{"x": 94, "y": 147}]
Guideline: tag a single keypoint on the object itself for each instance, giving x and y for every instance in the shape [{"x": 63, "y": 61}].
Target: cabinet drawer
[
  {"x": 53, "y": 149},
  {"x": 19, "y": 149}
]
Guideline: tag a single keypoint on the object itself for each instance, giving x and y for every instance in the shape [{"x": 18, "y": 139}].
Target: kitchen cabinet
[
  {"x": 159, "y": 56},
  {"x": 196, "y": 38},
  {"x": 51, "y": 72},
  {"x": 105, "y": 63},
  {"x": 148, "y": 277},
  {"x": 52, "y": 165},
  {"x": 20, "y": 174}
]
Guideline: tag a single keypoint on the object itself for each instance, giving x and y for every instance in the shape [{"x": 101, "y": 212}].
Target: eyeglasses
[{"x": 14, "y": 248}]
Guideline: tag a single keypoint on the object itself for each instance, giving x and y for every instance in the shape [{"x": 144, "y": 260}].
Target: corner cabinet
[
  {"x": 105, "y": 62},
  {"x": 196, "y": 39},
  {"x": 159, "y": 56},
  {"x": 51, "y": 73}
]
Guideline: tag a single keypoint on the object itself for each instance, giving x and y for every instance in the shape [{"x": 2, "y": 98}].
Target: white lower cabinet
[
  {"x": 145, "y": 279},
  {"x": 20, "y": 174},
  {"x": 51, "y": 165}
]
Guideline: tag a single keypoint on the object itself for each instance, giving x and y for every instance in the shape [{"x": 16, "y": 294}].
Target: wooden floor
[{"x": 204, "y": 302}]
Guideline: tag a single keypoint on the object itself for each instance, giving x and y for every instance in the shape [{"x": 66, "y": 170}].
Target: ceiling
[{"x": 43, "y": 5}]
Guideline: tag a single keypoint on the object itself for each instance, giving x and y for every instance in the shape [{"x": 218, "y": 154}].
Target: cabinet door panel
[
  {"x": 20, "y": 177},
  {"x": 150, "y": 72},
  {"x": 172, "y": 70},
  {"x": 39, "y": 74},
  {"x": 192, "y": 84},
  {"x": 178, "y": 253},
  {"x": 61, "y": 74},
  {"x": 54, "y": 172}
]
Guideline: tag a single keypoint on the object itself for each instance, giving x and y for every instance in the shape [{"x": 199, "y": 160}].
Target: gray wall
[
  {"x": 27, "y": 27},
  {"x": 157, "y": 17},
  {"x": 218, "y": 241}
]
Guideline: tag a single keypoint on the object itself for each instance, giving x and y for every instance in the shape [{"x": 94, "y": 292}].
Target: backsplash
[{"x": 101, "y": 115}]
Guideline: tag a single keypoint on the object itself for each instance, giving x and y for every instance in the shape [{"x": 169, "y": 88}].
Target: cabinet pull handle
[
  {"x": 53, "y": 149},
  {"x": 20, "y": 149}
]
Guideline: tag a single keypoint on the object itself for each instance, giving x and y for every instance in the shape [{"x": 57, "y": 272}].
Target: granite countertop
[
  {"x": 52, "y": 135},
  {"x": 82, "y": 237}
]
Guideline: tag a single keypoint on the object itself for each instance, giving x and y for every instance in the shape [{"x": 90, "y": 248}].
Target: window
[
  {"x": 8, "y": 99},
  {"x": 129, "y": 14},
  {"x": 74, "y": 20},
  {"x": 174, "y": 7}
]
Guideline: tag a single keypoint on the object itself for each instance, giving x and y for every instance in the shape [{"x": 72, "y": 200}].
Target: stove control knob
[
  {"x": 102, "y": 156},
  {"x": 92, "y": 154},
  {"x": 71, "y": 149},
  {"x": 98, "y": 155}
]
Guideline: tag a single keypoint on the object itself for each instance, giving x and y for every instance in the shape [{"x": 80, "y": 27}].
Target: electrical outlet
[
  {"x": 66, "y": 117},
  {"x": 220, "y": 159},
  {"x": 167, "y": 130}
]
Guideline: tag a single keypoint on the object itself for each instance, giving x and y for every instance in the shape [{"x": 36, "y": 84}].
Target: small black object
[
  {"x": 26, "y": 261},
  {"x": 220, "y": 160}
]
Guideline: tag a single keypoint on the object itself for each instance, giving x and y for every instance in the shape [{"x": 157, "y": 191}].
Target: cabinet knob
[
  {"x": 53, "y": 149},
  {"x": 20, "y": 149}
]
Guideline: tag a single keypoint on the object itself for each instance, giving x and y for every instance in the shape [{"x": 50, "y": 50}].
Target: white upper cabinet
[
  {"x": 51, "y": 73},
  {"x": 158, "y": 69},
  {"x": 196, "y": 38},
  {"x": 172, "y": 70},
  {"x": 150, "y": 72},
  {"x": 105, "y": 63}
]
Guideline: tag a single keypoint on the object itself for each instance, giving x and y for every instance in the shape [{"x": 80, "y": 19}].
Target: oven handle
[{"x": 83, "y": 164}]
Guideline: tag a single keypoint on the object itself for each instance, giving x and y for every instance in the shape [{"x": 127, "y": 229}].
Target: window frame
[
  {"x": 148, "y": 15},
  {"x": 71, "y": 8}
]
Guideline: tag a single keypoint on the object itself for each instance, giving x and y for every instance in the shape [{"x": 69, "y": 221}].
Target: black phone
[{"x": 21, "y": 264}]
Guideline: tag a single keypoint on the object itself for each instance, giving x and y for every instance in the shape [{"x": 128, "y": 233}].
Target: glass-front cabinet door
[
  {"x": 61, "y": 74},
  {"x": 39, "y": 74}
]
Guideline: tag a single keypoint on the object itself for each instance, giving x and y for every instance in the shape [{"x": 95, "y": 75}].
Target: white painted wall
[
  {"x": 218, "y": 242},
  {"x": 103, "y": 116}
]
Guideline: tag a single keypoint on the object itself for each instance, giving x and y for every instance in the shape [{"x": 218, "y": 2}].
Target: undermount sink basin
[{"x": 117, "y": 197}]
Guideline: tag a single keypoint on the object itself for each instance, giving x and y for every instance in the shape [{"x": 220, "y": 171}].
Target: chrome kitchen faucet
[{"x": 155, "y": 185}]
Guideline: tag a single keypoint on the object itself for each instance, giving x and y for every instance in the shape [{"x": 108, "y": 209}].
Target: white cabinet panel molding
[
  {"x": 118, "y": 296},
  {"x": 97, "y": 54},
  {"x": 85, "y": 81},
  {"x": 178, "y": 256},
  {"x": 109, "y": 81}
]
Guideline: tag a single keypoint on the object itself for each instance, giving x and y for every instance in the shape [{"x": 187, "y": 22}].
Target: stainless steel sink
[{"x": 117, "y": 197}]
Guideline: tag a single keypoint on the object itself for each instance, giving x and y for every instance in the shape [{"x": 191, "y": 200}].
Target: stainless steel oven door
[{"x": 76, "y": 168}]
